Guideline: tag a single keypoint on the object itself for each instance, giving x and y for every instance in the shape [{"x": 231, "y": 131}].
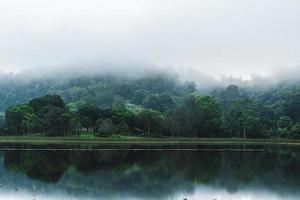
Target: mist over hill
[
  {"x": 96, "y": 85},
  {"x": 179, "y": 104}
]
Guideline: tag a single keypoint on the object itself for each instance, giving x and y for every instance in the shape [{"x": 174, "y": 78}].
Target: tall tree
[
  {"x": 198, "y": 116},
  {"x": 15, "y": 118},
  {"x": 242, "y": 120},
  {"x": 150, "y": 121}
]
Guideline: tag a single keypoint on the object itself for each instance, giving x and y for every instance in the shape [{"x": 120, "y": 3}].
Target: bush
[
  {"x": 283, "y": 132},
  {"x": 122, "y": 128},
  {"x": 296, "y": 131},
  {"x": 105, "y": 127}
]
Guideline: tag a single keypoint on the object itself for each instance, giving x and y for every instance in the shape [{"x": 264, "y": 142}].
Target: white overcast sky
[{"x": 232, "y": 37}]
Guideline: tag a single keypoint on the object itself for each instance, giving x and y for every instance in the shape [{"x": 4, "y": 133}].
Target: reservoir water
[{"x": 29, "y": 172}]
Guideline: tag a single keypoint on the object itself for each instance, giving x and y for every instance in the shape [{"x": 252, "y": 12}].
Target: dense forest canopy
[{"x": 154, "y": 104}]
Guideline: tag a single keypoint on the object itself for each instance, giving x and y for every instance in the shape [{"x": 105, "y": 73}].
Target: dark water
[{"x": 200, "y": 172}]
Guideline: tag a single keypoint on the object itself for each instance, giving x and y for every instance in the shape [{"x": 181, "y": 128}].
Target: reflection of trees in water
[
  {"x": 157, "y": 173},
  {"x": 275, "y": 168},
  {"x": 41, "y": 165},
  {"x": 239, "y": 169}
]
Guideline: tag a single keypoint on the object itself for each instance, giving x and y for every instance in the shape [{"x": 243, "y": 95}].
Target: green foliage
[
  {"x": 46, "y": 101},
  {"x": 283, "y": 132},
  {"x": 122, "y": 114},
  {"x": 124, "y": 90},
  {"x": 292, "y": 106},
  {"x": 54, "y": 121},
  {"x": 46, "y": 114},
  {"x": 285, "y": 125},
  {"x": 90, "y": 111},
  {"x": 229, "y": 95},
  {"x": 242, "y": 120},
  {"x": 122, "y": 128},
  {"x": 74, "y": 106},
  {"x": 285, "y": 122},
  {"x": 139, "y": 96},
  {"x": 2, "y": 126},
  {"x": 86, "y": 122},
  {"x": 89, "y": 114},
  {"x": 173, "y": 107},
  {"x": 105, "y": 127},
  {"x": 198, "y": 116},
  {"x": 74, "y": 123},
  {"x": 16, "y": 118},
  {"x": 296, "y": 131},
  {"x": 161, "y": 102},
  {"x": 190, "y": 87},
  {"x": 208, "y": 116},
  {"x": 52, "y": 114},
  {"x": 151, "y": 121}
]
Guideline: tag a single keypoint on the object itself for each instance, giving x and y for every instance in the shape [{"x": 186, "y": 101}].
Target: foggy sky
[{"x": 215, "y": 37}]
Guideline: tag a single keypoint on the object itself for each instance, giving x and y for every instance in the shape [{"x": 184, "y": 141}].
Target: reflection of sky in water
[
  {"x": 201, "y": 193},
  {"x": 20, "y": 187},
  {"x": 204, "y": 192}
]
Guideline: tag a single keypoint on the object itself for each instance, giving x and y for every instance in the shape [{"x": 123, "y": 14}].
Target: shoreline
[{"x": 131, "y": 140}]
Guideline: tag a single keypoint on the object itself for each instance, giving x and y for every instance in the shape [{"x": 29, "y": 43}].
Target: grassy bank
[{"x": 128, "y": 140}]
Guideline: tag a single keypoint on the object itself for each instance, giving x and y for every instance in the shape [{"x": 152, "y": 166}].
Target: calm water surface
[{"x": 110, "y": 173}]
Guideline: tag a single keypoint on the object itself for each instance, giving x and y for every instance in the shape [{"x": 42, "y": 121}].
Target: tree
[
  {"x": 123, "y": 90},
  {"x": 30, "y": 123},
  {"x": 228, "y": 96},
  {"x": 88, "y": 115},
  {"x": 207, "y": 116},
  {"x": 139, "y": 96},
  {"x": 52, "y": 114},
  {"x": 296, "y": 131},
  {"x": 190, "y": 87},
  {"x": 161, "y": 102},
  {"x": 55, "y": 121},
  {"x": 150, "y": 121},
  {"x": 152, "y": 101},
  {"x": 86, "y": 122},
  {"x": 285, "y": 125},
  {"x": 75, "y": 124},
  {"x": 121, "y": 114},
  {"x": 179, "y": 122},
  {"x": 16, "y": 118},
  {"x": 292, "y": 106},
  {"x": 285, "y": 122},
  {"x": 242, "y": 120},
  {"x": 122, "y": 128},
  {"x": 2, "y": 126},
  {"x": 198, "y": 116},
  {"x": 48, "y": 100},
  {"x": 105, "y": 127},
  {"x": 46, "y": 114}
]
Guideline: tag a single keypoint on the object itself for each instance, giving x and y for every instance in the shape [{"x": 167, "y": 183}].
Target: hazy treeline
[{"x": 157, "y": 104}]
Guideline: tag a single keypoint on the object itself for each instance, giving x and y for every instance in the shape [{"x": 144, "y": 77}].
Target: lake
[{"x": 137, "y": 172}]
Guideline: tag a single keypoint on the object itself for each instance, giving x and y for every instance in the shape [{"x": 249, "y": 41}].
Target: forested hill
[
  {"x": 171, "y": 106},
  {"x": 99, "y": 90}
]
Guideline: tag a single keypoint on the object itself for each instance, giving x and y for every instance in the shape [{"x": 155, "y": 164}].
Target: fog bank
[{"x": 233, "y": 38}]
